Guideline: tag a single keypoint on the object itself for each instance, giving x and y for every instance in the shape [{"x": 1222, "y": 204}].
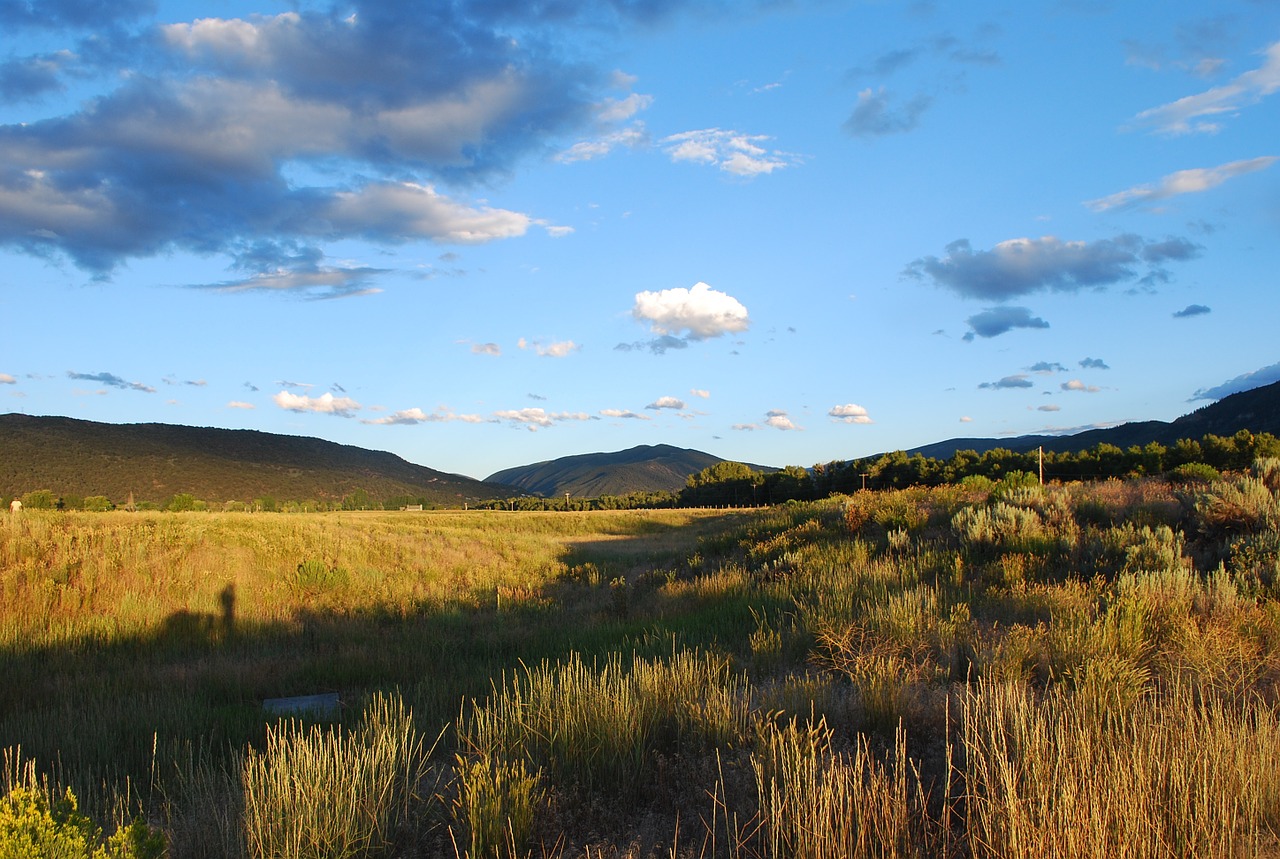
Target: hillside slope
[
  {"x": 1257, "y": 410},
  {"x": 154, "y": 462},
  {"x": 646, "y": 468}
]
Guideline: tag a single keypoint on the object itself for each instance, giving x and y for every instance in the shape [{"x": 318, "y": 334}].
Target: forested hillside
[{"x": 155, "y": 463}]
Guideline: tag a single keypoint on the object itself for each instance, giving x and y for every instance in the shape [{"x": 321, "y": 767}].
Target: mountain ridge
[
  {"x": 153, "y": 462},
  {"x": 1256, "y": 410}
]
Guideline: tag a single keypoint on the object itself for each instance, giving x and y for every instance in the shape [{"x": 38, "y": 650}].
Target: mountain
[
  {"x": 1256, "y": 410},
  {"x": 154, "y": 462},
  {"x": 647, "y": 468}
]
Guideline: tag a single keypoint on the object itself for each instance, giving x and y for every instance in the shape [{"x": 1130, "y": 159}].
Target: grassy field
[{"x": 987, "y": 671}]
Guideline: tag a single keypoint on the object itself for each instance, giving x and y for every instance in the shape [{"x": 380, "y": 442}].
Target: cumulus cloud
[
  {"x": 849, "y": 413},
  {"x": 700, "y": 394},
  {"x": 875, "y": 116},
  {"x": 111, "y": 380},
  {"x": 6, "y": 379},
  {"x": 326, "y": 404},
  {"x": 780, "y": 420},
  {"x": 1182, "y": 182},
  {"x": 1244, "y": 382},
  {"x": 1077, "y": 385},
  {"x": 1094, "y": 364},
  {"x": 1200, "y": 113},
  {"x": 1000, "y": 320},
  {"x": 667, "y": 403},
  {"x": 624, "y": 413},
  {"x": 698, "y": 313},
  {"x": 240, "y": 404},
  {"x": 732, "y": 151},
  {"x": 1192, "y": 310},
  {"x": 1047, "y": 367},
  {"x": 1018, "y": 380},
  {"x": 1022, "y": 266},
  {"x": 538, "y": 418}
]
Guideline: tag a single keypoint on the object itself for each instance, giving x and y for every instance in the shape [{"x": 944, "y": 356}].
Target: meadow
[{"x": 983, "y": 670}]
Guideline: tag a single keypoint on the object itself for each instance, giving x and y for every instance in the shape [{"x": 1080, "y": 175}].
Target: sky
[{"x": 488, "y": 233}]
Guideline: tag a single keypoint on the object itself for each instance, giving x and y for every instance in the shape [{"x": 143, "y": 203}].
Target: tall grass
[
  {"x": 1078, "y": 775},
  {"x": 320, "y": 793},
  {"x": 1017, "y": 671}
]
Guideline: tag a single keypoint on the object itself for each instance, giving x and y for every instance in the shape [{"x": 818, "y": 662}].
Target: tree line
[{"x": 733, "y": 484}]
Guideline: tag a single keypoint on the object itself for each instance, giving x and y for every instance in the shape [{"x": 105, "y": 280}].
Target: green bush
[
  {"x": 1195, "y": 472},
  {"x": 31, "y": 826}
]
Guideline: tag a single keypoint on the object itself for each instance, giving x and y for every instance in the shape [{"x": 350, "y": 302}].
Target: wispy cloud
[
  {"x": 1191, "y": 181},
  {"x": 409, "y": 417},
  {"x": 111, "y": 380},
  {"x": 240, "y": 404},
  {"x": 1192, "y": 310},
  {"x": 537, "y": 418},
  {"x": 625, "y": 414},
  {"x": 1200, "y": 113},
  {"x": 560, "y": 349},
  {"x": 733, "y": 152}
]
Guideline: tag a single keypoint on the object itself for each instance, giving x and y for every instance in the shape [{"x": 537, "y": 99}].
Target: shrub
[
  {"x": 31, "y": 826},
  {"x": 1195, "y": 472}
]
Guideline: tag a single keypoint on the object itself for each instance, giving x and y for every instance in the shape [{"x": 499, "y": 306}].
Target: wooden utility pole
[{"x": 1042, "y": 465}]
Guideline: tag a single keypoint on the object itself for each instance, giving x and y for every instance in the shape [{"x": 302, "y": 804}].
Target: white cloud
[
  {"x": 535, "y": 418},
  {"x": 405, "y": 211},
  {"x": 850, "y": 413},
  {"x": 701, "y": 394},
  {"x": 406, "y": 417},
  {"x": 778, "y": 419},
  {"x": 731, "y": 151},
  {"x": 666, "y": 403},
  {"x": 1049, "y": 408},
  {"x": 965, "y": 419},
  {"x": 326, "y": 403},
  {"x": 238, "y": 404},
  {"x": 699, "y": 313},
  {"x": 6, "y": 379},
  {"x": 1182, "y": 182},
  {"x": 486, "y": 349},
  {"x": 1077, "y": 385},
  {"x": 619, "y": 109},
  {"x": 560, "y": 349},
  {"x": 1193, "y": 113},
  {"x": 624, "y": 413}
]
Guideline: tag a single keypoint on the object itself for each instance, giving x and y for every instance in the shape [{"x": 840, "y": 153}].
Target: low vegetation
[{"x": 990, "y": 669}]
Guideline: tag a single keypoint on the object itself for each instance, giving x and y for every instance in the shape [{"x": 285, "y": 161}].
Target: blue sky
[{"x": 498, "y": 232}]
